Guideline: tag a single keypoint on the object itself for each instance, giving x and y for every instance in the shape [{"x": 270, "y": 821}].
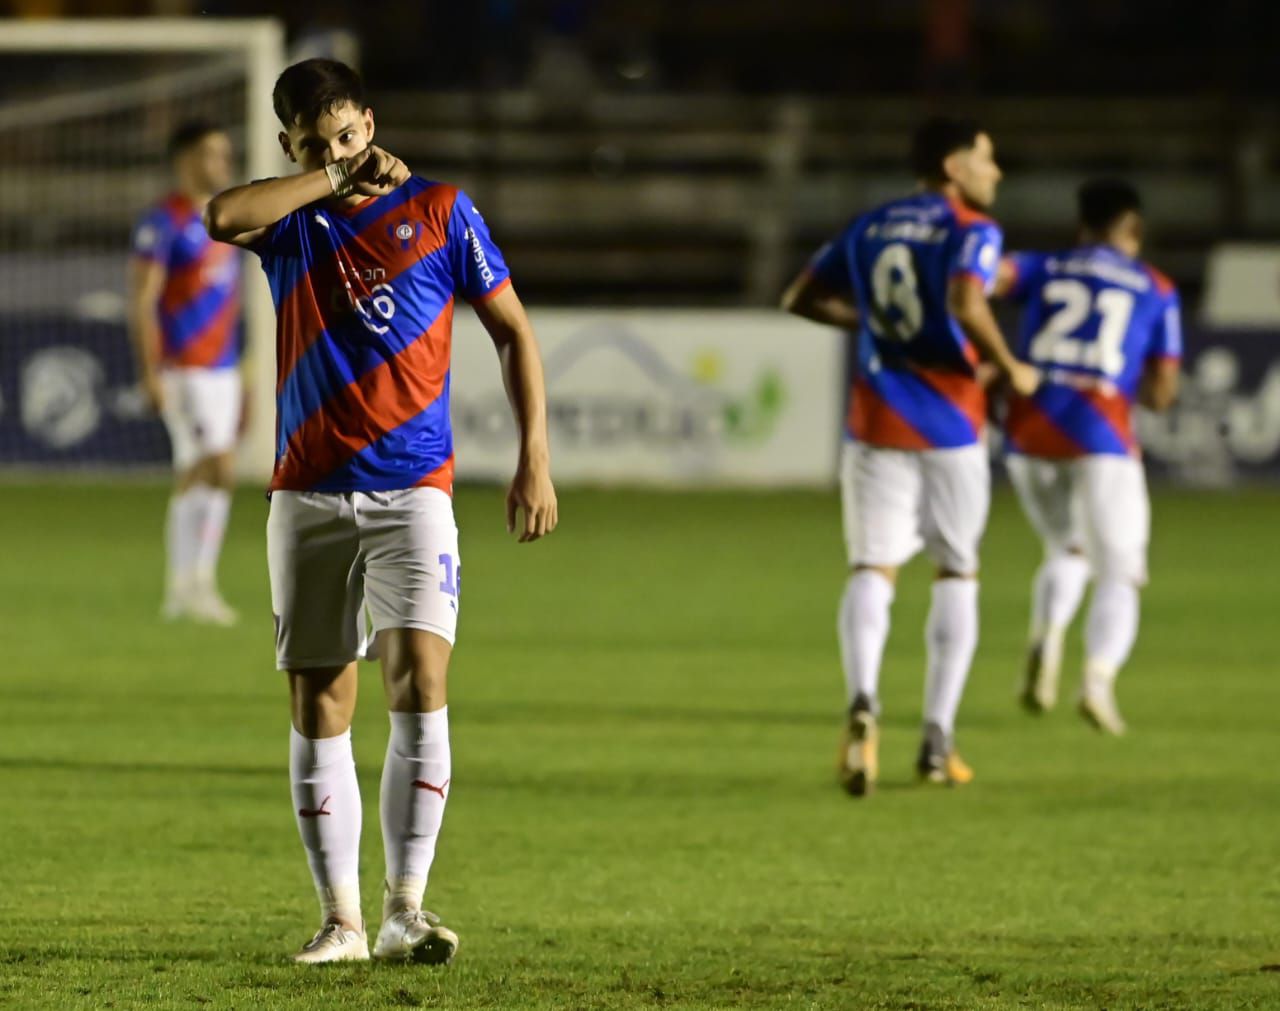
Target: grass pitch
[{"x": 644, "y": 712}]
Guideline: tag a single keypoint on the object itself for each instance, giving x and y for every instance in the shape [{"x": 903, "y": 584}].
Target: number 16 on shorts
[{"x": 451, "y": 579}]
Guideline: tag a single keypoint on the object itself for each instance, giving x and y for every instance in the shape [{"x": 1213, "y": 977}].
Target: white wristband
[{"x": 339, "y": 178}]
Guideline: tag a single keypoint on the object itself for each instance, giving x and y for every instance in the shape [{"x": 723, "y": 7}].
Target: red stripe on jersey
[
  {"x": 503, "y": 284},
  {"x": 1162, "y": 282},
  {"x": 966, "y": 215},
  {"x": 1115, "y": 409},
  {"x": 873, "y": 421},
  {"x": 441, "y": 477},
  {"x": 301, "y": 314},
  {"x": 962, "y": 391},
  {"x": 1034, "y": 433},
  {"x": 210, "y": 344},
  {"x": 367, "y": 409}
]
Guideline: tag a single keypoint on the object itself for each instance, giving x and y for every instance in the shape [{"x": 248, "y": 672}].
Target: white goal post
[{"x": 143, "y": 63}]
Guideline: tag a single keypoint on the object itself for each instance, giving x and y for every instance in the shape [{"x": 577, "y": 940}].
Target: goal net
[{"x": 89, "y": 107}]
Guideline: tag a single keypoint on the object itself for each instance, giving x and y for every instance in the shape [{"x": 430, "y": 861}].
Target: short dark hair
[
  {"x": 189, "y": 133},
  {"x": 307, "y": 90},
  {"x": 1103, "y": 201},
  {"x": 936, "y": 138}
]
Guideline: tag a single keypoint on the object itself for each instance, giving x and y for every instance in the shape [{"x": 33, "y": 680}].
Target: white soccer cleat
[
  {"x": 208, "y": 607},
  {"x": 1098, "y": 706},
  {"x": 415, "y": 935},
  {"x": 334, "y": 943}
]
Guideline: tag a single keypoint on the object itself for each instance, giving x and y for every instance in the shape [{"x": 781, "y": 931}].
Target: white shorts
[
  {"x": 332, "y": 556},
  {"x": 1095, "y": 504},
  {"x": 201, "y": 412},
  {"x": 899, "y": 501}
]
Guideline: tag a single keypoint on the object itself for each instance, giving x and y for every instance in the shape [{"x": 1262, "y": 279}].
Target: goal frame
[{"x": 261, "y": 44}]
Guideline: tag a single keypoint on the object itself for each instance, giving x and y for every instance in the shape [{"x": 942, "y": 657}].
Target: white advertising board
[{"x": 661, "y": 397}]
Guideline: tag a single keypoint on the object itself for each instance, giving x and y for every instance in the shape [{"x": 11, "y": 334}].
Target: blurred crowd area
[
  {"x": 696, "y": 152},
  {"x": 840, "y": 47}
]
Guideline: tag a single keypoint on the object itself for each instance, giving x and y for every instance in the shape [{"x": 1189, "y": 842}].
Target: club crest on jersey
[{"x": 407, "y": 232}]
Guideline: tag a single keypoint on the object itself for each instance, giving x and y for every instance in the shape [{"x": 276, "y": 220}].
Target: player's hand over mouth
[{"x": 374, "y": 171}]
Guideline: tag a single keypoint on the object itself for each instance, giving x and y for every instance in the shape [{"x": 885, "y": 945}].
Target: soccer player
[
  {"x": 911, "y": 277},
  {"x": 184, "y": 321},
  {"x": 365, "y": 262},
  {"x": 1104, "y": 328}
]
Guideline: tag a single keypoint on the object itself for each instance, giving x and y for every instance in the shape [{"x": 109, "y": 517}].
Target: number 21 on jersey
[{"x": 1058, "y": 342}]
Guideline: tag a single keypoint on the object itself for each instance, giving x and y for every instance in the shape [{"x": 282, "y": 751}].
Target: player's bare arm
[
  {"x": 242, "y": 214},
  {"x": 1159, "y": 387},
  {"x": 146, "y": 283},
  {"x": 1006, "y": 278},
  {"x": 531, "y": 490},
  {"x": 967, "y": 303},
  {"x": 807, "y": 296}
]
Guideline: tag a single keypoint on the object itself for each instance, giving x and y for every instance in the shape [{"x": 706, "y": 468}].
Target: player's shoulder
[
  {"x": 1161, "y": 281},
  {"x": 966, "y": 217}
]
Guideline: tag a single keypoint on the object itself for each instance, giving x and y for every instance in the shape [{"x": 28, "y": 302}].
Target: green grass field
[{"x": 644, "y": 712}]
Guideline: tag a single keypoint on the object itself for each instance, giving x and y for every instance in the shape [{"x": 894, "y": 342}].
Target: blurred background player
[
  {"x": 1104, "y": 329},
  {"x": 184, "y": 320},
  {"x": 911, "y": 277},
  {"x": 364, "y": 262}
]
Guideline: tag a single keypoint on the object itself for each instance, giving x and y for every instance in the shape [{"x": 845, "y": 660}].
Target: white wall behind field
[{"x": 681, "y": 398}]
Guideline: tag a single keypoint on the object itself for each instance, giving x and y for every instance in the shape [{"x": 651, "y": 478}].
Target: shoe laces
[{"x": 330, "y": 935}]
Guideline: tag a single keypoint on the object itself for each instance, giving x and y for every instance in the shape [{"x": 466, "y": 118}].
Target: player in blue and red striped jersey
[
  {"x": 911, "y": 277},
  {"x": 366, "y": 263},
  {"x": 184, "y": 316},
  {"x": 1104, "y": 329}
]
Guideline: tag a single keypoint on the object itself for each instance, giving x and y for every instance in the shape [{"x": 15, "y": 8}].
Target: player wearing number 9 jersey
[
  {"x": 1104, "y": 329},
  {"x": 911, "y": 278},
  {"x": 366, "y": 263}
]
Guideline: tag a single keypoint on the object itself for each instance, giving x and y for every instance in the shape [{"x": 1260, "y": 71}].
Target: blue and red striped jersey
[
  {"x": 200, "y": 304},
  {"x": 915, "y": 387},
  {"x": 364, "y": 300},
  {"x": 1093, "y": 319}
]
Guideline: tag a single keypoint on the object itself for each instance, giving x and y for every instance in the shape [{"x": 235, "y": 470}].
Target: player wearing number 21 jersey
[
  {"x": 366, "y": 263},
  {"x": 1103, "y": 327},
  {"x": 911, "y": 278}
]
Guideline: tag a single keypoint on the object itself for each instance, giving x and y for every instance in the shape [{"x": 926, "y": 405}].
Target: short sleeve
[
  {"x": 1166, "y": 339},
  {"x": 979, "y": 253},
  {"x": 1027, "y": 269},
  {"x": 153, "y": 236},
  {"x": 479, "y": 270},
  {"x": 830, "y": 265}
]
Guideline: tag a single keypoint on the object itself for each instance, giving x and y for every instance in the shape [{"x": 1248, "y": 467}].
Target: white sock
[
  {"x": 415, "y": 785},
  {"x": 214, "y": 505},
  {"x": 951, "y": 636},
  {"x": 1110, "y": 632},
  {"x": 863, "y": 625},
  {"x": 181, "y": 536},
  {"x": 1056, "y": 594},
  {"x": 326, "y": 804}
]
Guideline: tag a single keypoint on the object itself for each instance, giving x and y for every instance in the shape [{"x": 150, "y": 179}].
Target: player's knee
[
  {"x": 890, "y": 572},
  {"x": 322, "y": 700},
  {"x": 415, "y": 669}
]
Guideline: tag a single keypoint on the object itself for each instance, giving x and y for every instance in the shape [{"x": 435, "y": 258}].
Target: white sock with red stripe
[
  {"x": 951, "y": 636},
  {"x": 326, "y": 804},
  {"x": 863, "y": 624},
  {"x": 181, "y": 536},
  {"x": 415, "y": 786},
  {"x": 1056, "y": 594},
  {"x": 1110, "y": 632},
  {"x": 213, "y": 507}
]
